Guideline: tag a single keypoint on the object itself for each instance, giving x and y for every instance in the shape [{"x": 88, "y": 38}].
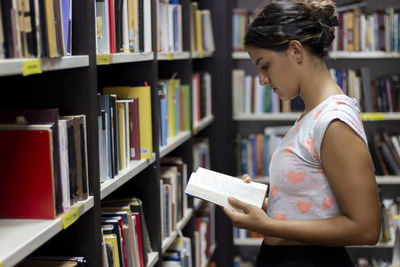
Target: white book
[
  {"x": 103, "y": 28},
  {"x": 208, "y": 37},
  {"x": 171, "y": 25},
  {"x": 163, "y": 27},
  {"x": 147, "y": 25},
  {"x": 63, "y": 139},
  {"x": 125, "y": 30},
  {"x": 247, "y": 93},
  {"x": 363, "y": 30},
  {"x": 217, "y": 187}
]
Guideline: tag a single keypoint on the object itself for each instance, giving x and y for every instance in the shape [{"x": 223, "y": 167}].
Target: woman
[{"x": 323, "y": 194}]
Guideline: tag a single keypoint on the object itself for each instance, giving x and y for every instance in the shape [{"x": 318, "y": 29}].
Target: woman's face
[{"x": 279, "y": 70}]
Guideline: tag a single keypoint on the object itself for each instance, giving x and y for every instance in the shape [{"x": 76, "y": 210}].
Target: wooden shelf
[
  {"x": 390, "y": 244},
  {"x": 117, "y": 58},
  {"x": 174, "y": 142},
  {"x": 204, "y": 54},
  {"x": 19, "y": 238},
  {"x": 383, "y": 116},
  {"x": 267, "y": 117},
  {"x": 364, "y": 55},
  {"x": 249, "y": 242},
  {"x": 167, "y": 242},
  {"x": 203, "y": 124},
  {"x": 240, "y": 55},
  {"x": 390, "y": 180},
  {"x": 136, "y": 166},
  {"x": 152, "y": 259},
  {"x": 16, "y": 66},
  {"x": 173, "y": 55},
  {"x": 339, "y": 55}
]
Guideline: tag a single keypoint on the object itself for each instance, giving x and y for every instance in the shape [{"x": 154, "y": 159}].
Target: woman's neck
[{"x": 317, "y": 85}]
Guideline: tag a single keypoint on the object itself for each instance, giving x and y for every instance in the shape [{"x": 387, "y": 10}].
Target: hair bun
[{"x": 327, "y": 7}]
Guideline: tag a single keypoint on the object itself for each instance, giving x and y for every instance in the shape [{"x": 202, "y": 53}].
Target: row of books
[
  {"x": 245, "y": 234},
  {"x": 239, "y": 261},
  {"x": 389, "y": 209},
  {"x": 126, "y": 241},
  {"x": 123, "y": 26},
  {"x": 240, "y": 21},
  {"x": 174, "y": 203},
  {"x": 362, "y": 31},
  {"x": 201, "y": 29},
  {"x": 53, "y": 153},
  {"x": 33, "y": 28},
  {"x": 204, "y": 233},
  {"x": 53, "y": 261},
  {"x": 179, "y": 254},
  {"x": 173, "y": 108},
  {"x": 385, "y": 152},
  {"x": 249, "y": 97},
  {"x": 201, "y": 96},
  {"x": 170, "y": 33},
  {"x": 380, "y": 94},
  {"x": 125, "y": 130},
  {"x": 201, "y": 153}
]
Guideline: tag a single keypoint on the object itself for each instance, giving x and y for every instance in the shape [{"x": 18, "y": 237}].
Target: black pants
[{"x": 303, "y": 256}]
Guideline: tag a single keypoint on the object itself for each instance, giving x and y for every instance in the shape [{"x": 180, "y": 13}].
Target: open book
[{"x": 217, "y": 187}]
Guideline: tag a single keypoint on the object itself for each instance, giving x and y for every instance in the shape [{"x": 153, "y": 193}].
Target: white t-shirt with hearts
[{"x": 299, "y": 188}]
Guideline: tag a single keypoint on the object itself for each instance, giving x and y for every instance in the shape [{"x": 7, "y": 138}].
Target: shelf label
[
  {"x": 372, "y": 116},
  {"x": 31, "y": 67},
  {"x": 170, "y": 56},
  {"x": 1, "y": 264},
  {"x": 70, "y": 217},
  {"x": 103, "y": 59},
  {"x": 201, "y": 54}
]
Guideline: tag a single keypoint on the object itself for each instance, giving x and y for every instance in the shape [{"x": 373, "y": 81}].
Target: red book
[
  {"x": 340, "y": 32},
  {"x": 26, "y": 161},
  {"x": 139, "y": 235},
  {"x": 134, "y": 129},
  {"x": 111, "y": 17}
]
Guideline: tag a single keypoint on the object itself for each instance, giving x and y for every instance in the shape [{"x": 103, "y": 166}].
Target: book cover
[
  {"x": 40, "y": 116},
  {"x": 134, "y": 129},
  {"x": 145, "y": 122},
  {"x": 28, "y": 192}
]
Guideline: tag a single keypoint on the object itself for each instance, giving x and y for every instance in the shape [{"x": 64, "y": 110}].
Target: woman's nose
[{"x": 263, "y": 80}]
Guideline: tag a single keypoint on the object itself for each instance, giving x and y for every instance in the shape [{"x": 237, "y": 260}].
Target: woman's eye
[{"x": 265, "y": 67}]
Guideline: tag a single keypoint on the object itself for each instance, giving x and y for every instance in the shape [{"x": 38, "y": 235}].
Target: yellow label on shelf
[
  {"x": 103, "y": 59},
  {"x": 1, "y": 264},
  {"x": 170, "y": 56},
  {"x": 31, "y": 67},
  {"x": 70, "y": 217},
  {"x": 201, "y": 54},
  {"x": 372, "y": 116}
]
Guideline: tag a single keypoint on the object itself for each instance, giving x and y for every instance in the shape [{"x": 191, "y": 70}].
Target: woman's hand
[
  {"x": 246, "y": 178},
  {"x": 248, "y": 217}
]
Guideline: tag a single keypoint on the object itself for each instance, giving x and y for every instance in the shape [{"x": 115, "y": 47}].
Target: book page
[{"x": 216, "y": 187}]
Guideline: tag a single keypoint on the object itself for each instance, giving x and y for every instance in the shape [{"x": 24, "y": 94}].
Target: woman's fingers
[{"x": 246, "y": 178}]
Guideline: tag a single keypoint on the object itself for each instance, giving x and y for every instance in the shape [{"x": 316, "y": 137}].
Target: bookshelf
[
  {"x": 71, "y": 84},
  {"x": 19, "y": 238},
  {"x": 19, "y": 66}
]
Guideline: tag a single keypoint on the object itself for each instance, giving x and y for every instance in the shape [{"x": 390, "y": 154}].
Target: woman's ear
[{"x": 296, "y": 50}]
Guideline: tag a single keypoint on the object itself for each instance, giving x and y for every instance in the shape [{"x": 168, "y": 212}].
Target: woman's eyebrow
[{"x": 258, "y": 60}]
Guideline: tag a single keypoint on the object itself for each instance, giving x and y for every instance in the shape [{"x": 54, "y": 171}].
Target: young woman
[{"x": 323, "y": 194}]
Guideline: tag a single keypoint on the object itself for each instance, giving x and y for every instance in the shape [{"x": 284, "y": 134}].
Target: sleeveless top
[{"x": 299, "y": 188}]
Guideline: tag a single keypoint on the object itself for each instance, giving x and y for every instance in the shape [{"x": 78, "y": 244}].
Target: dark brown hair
[{"x": 311, "y": 22}]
